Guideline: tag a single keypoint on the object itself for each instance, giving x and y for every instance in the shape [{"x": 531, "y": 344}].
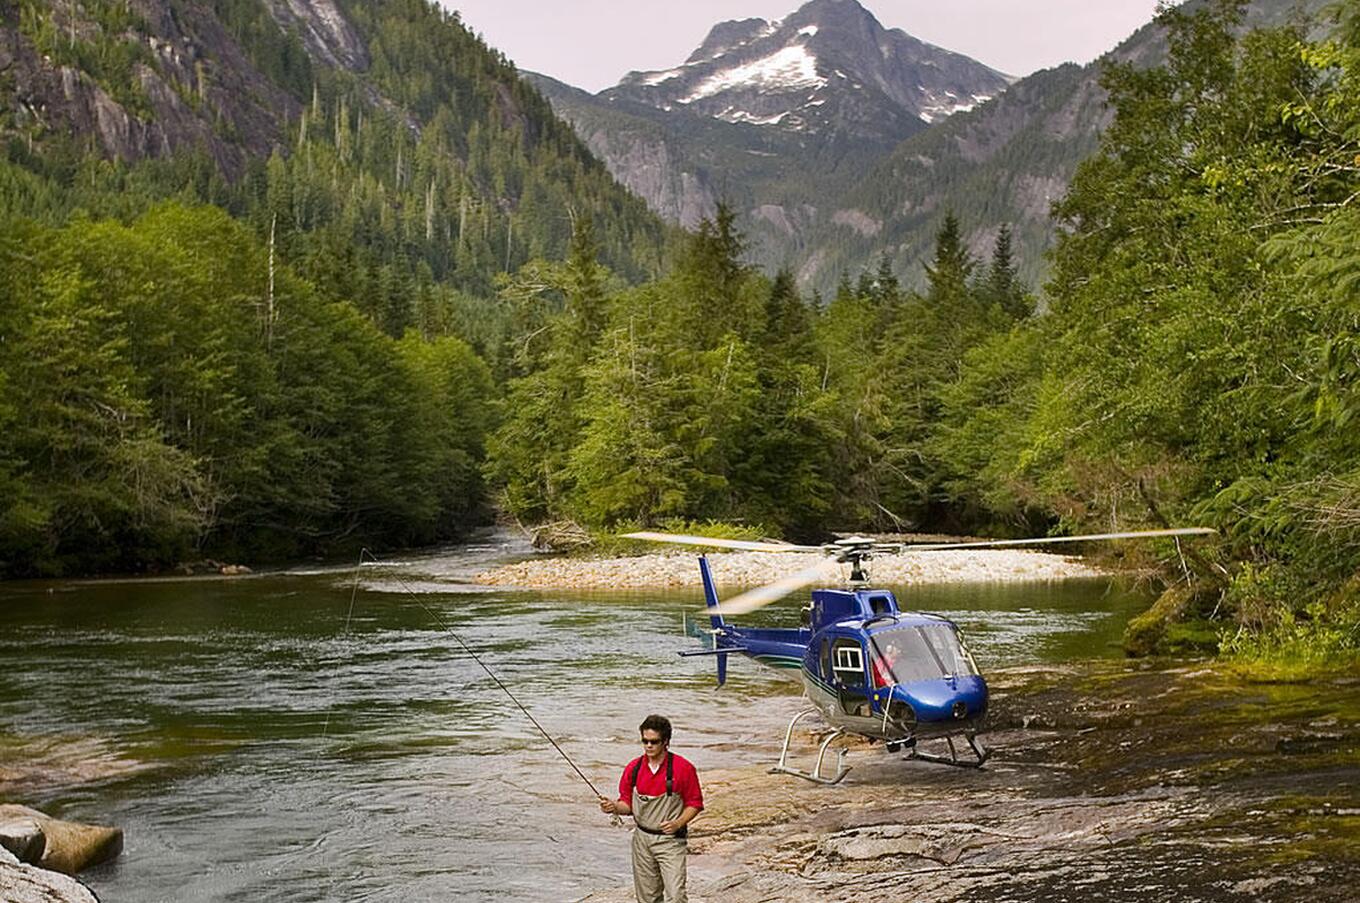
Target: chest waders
[
  {"x": 658, "y": 857},
  {"x": 650, "y": 811}
]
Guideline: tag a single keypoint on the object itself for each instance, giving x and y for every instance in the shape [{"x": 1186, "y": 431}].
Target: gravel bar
[{"x": 676, "y": 569}]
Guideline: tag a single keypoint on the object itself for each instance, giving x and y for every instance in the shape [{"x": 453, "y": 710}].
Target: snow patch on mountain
[
  {"x": 943, "y": 109},
  {"x": 735, "y": 115},
  {"x": 657, "y": 78},
  {"x": 789, "y": 67}
]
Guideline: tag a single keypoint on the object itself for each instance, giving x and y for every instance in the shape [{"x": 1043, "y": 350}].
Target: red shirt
[{"x": 685, "y": 781}]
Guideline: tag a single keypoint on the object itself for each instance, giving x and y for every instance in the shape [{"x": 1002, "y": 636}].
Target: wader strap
[{"x": 670, "y": 776}]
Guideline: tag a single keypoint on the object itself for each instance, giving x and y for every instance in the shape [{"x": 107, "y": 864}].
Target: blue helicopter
[{"x": 868, "y": 667}]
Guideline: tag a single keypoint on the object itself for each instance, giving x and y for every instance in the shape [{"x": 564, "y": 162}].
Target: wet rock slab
[
  {"x": 20, "y": 883},
  {"x": 1108, "y": 782},
  {"x": 28, "y": 884}
]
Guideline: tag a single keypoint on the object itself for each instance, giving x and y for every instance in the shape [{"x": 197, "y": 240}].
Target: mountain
[
  {"x": 826, "y": 194},
  {"x": 829, "y": 70},
  {"x": 384, "y": 130},
  {"x": 665, "y": 158},
  {"x": 1005, "y": 162},
  {"x": 780, "y": 119}
]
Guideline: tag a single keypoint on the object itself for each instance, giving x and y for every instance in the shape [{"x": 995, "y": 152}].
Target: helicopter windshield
[{"x": 906, "y": 654}]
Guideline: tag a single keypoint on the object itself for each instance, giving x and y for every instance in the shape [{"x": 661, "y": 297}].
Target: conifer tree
[
  {"x": 1001, "y": 286},
  {"x": 949, "y": 271}
]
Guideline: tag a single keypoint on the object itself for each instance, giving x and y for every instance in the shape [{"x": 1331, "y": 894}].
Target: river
[{"x": 306, "y": 736}]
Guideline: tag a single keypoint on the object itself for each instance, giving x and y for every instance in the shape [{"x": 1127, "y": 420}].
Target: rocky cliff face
[
  {"x": 645, "y": 150},
  {"x": 193, "y": 85},
  {"x": 325, "y": 31},
  {"x": 680, "y": 193}
]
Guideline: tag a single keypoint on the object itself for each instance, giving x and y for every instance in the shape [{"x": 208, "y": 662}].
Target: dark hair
[{"x": 659, "y": 723}]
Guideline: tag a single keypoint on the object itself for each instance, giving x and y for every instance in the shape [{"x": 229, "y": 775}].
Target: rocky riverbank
[
  {"x": 737, "y": 569},
  {"x": 38, "y": 854},
  {"x": 1109, "y": 781}
]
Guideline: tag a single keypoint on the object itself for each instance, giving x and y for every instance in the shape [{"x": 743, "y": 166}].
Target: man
[{"x": 661, "y": 791}]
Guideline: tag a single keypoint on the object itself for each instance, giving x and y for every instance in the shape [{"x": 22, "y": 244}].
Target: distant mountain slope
[
  {"x": 780, "y": 119},
  {"x": 820, "y": 202},
  {"x": 829, "y": 69},
  {"x": 1005, "y": 162},
  {"x": 648, "y": 150},
  {"x": 396, "y": 131}
]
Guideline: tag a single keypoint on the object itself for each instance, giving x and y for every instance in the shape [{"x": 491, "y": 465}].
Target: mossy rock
[{"x": 1170, "y": 626}]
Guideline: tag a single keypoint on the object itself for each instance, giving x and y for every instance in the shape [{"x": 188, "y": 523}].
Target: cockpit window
[{"x": 906, "y": 654}]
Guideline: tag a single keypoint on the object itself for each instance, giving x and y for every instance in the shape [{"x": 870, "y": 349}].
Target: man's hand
[
  {"x": 670, "y": 827},
  {"x": 608, "y": 806}
]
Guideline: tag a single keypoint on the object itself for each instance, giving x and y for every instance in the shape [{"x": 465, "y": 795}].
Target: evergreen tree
[
  {"x": 949, "y": 272},
  {"x": 1001, "y": 286}
]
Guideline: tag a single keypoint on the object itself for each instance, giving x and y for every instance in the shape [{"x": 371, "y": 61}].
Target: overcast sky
[{"x": 592, "y": 43}]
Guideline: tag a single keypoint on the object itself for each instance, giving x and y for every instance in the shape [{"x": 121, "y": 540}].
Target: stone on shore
[
  {"x": 30, "y": 884},
  {"x": 68, "y": 846},
  {"x": 22, "y": 838}
]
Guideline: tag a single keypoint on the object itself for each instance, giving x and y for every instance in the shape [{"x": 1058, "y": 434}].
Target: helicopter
[{"x": 868, "y": 667}]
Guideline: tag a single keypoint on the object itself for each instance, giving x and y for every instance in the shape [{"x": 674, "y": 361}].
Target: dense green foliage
[
  {"x": 279, "y": 373},
  {"x": 1194, "y": 361},
  {"x": 164, "y": 398},
  {"x": 719, "y": 393},
  {"x": 300, "y": 365},
  {"x": 1198, "y": 360},
  {"x": 406, "y": 186}
]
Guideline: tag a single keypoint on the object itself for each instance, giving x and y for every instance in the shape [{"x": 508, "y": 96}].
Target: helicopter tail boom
[
  {"x": 711, "y": 600},
  {"x": 710, "y": 593}
]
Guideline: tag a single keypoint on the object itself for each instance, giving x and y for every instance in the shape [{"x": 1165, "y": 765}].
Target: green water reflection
[{"x": 259, "y": 738}]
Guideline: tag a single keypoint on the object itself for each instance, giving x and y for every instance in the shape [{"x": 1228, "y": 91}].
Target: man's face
[{"x": 652, "y": 743}]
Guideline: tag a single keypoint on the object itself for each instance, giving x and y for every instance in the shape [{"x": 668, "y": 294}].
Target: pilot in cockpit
[{"x": 884, "y": 673}]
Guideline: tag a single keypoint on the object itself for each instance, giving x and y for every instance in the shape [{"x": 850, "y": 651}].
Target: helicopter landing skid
[
  {"x": 816, "y": 774},
  {"x": 979, "y": 751}
]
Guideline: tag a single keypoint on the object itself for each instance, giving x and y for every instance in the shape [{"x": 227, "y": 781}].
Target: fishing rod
[{"x": 614, "y": 819}]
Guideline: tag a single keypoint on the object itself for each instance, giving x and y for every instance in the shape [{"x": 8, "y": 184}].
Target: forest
[{"x": 293, "y": 363}]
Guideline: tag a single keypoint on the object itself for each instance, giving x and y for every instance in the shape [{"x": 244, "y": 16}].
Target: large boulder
[
  {"x": 68, "y": 846},
  {"x": 29, "y": 884},
  {"x": 23, "y": 838}
]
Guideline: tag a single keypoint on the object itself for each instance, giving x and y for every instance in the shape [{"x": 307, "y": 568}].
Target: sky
[{"x": 592, "y": 43}]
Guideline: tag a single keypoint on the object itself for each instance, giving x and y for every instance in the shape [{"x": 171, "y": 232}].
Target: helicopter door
[{"x": 847, "y": 669}]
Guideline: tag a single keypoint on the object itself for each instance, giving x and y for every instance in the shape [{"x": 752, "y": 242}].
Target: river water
[{"x": 308, "y": 735}]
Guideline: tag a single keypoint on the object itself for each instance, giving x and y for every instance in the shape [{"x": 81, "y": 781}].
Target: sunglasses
[{"x": 646, "y": 742}]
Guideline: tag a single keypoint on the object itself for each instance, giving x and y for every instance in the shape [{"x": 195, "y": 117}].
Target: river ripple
[{"x": 262, "y": 739}]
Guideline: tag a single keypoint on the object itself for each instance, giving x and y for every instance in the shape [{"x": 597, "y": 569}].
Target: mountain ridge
[
  {"x": 785, "y": 174},
  {"x": 1003, "y": 162},
  {"x": 829, "y": 68}
]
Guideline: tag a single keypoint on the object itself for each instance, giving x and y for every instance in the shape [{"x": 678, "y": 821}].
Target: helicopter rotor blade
[
  {"x": 772, "y": 592},
  {"x": 1090, "y": 537},
  {"x": 743, "y": 544}
]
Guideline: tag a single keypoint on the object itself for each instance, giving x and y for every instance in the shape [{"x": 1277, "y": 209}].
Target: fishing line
[
  {"x": 354, "y": 591},
  {"x": 473, "y": 655}
]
